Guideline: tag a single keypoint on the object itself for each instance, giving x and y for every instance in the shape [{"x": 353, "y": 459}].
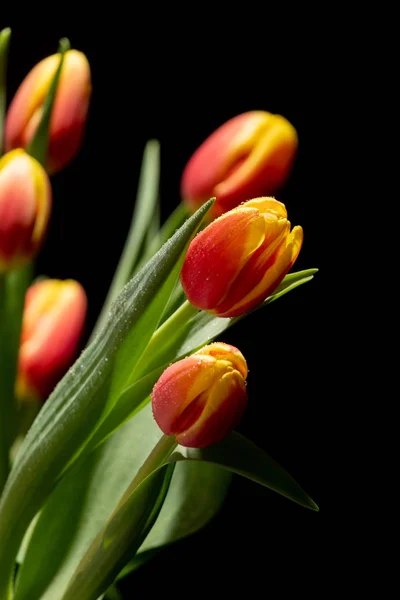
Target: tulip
[
  {"x": 25, "y": 202},
  {"x": 240, "y": 258},
  {"x": 250, "y": 155},
  {"x": 53, "y": 320},
  {"x": 201, "y": 398},
  {"x": 69, "y": 111}
]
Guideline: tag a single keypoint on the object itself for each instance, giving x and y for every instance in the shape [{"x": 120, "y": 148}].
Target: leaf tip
[
  {"x": 312, "y": 505},
  {"x": 64, "y": 45}
]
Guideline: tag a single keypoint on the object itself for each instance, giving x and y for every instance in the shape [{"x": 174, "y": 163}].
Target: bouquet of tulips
[{"x": 134, "y": 434}]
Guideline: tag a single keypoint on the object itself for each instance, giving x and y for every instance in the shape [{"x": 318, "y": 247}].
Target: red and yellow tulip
[
  {"x": 69, "y": 111},
  {"x": 202, "y": 397},
  {"x": 250, "y": 155},
  {"x": 240, "y": 258},
  {"x": 25, "y": 203},
  {"x": 54, "y": 316}
]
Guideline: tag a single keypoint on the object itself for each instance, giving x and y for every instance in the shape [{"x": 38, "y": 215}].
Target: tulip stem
[
  {"x": 13, "y": 287},
  {"x": 164, "y": 336},
  {"x": 127, "y": 527},
  {"x": 169, "y": 328},
  {"x": 4, "y": 400}
]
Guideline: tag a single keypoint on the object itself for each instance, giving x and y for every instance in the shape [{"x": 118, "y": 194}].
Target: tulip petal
[
  {"x": 49, "y": 339},
  {"x": 30, "y": 95},
  {"x": 254, "y": 269},
  {"x": 266, "y": 166},
  {"x": 279, "y": 265},
  {"x": 224, "y": 408},
  {"x": 221, "y": 351},
  {"x": 217, "y": 155},
  {"x": 69, "y": 111},
  {"x": 180, "y": 385},
  {"x": 266, "y": 204},
  {"x": 218, "y": 253},
  {"x": 25, "y": 201}
]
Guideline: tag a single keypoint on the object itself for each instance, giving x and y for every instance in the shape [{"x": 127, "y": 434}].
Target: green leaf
[
  {"x": 78, "y": 403},
  {"x": 137, "y": 561},
  {"x": 83, "y": 501},
  {"x": 40, "y": 141},
  {"x": 143, "y": 213},
  {"x": 79, "y": 507},
  {"x": 183, "y": 340},
  {"x": 174, "y": 221},
  {"x": 203, "y": 327},
  {"x": 5, "y": 35},
  {"x": 196, "y": 494},
  {"x": 241, "y": 456},
  {"x": 125, "y": 530}
]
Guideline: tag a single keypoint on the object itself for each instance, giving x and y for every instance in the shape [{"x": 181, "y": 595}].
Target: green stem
[
  {"x": 4, "y": 400},
  {"x": 164, "y": 336},
  {"x": 4, "y": 42},
  {"x": 157, "y": 457},
  {"x": 13, "y": 287},
  {"x": 124, "y": 531},
  {"x": 141, "y": 218}
]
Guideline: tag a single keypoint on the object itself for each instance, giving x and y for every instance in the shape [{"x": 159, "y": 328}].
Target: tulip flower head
[
  {"x": 69, "y": 111},
  {"x": 250, "y": 155},
  {"x": 54, "y": 316},
  {"x": 25, "y": 202},
  {"x": 202, "y": 397},
  {"x": 240, "y": 258}
]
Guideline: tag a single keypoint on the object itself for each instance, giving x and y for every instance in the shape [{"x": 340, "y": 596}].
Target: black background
[{"x": 179, "y": 88}]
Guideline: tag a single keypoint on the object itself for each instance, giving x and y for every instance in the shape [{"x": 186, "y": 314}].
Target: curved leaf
[
  {"x": 78, "y": 403},
  {"x": 239, "y": 455}
]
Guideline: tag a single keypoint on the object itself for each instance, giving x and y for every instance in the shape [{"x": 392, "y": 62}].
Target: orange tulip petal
[
  {"x": 54, "y": 317},
  {"x": 218, "y": 253},
  {"x": 223, "y": 409},
  {"x": 275, "y": 271}
]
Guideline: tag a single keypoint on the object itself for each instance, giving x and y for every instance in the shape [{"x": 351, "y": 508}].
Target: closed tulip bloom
[
  {"x": 54, "y": 316},
  {"x": 69, "y": 111},
  {"x": 250, "y": 155},
  {"x": 202, "y": 397},
  {"x": 25, "y": 203},
  {"x": 240, "y": 258}
]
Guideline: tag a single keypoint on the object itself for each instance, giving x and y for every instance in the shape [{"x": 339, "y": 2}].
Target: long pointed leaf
[
  {"x": 4, "y": 42},
  {"x": 40, "y": 141},
  {"x": 78, "y": 403},
  {"x": 144, "y": 209},
  {"x": 241, "y": 456}
]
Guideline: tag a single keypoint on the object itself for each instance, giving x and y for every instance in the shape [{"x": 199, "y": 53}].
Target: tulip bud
[
  {"x": 25, "y": 202},
  {"x": 201, "y": 398},
  {"x": 69, "y": 110},
  {"x": 240, "y": 258},
  {"x": 54, "y": 316},
  {"x": 248, "y": 156}
]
